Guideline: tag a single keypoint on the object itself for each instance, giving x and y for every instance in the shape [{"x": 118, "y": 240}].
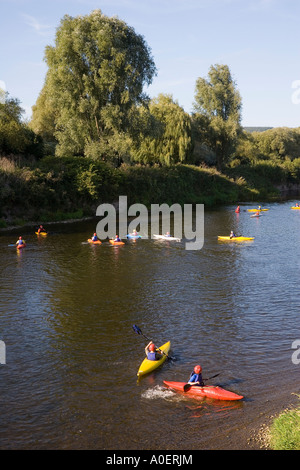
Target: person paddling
[
  {"x": 196, "y": 377},
  {"x": 151, "y": 352},
  {"x": 117, "y": 238},
  {"x": 94, "y": 237},
  {"x": 232, "y": 234},
  {"x": 20, "y": 242},
  {"x": 237, "y": 210},
  {"x": 41, "y": 229}
]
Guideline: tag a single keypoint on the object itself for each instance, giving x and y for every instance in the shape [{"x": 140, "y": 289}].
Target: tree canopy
[
  {"x": 15, "y": 135},
  {"x": 96, "y": 75},
  {"x": 171, "y": 139},
  {"x": 217, "y": 109}
]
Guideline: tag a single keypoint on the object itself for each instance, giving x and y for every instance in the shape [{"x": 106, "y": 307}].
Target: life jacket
[
  {"x": 151, "y": 356},
  {"x": 196, "y": 378}
]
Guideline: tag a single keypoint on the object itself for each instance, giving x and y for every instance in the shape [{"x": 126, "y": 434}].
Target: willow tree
[
  {"x": 171, "y": 138},
  {"x": 217, "y": 109},
  {"x": 97, "y": 71}
]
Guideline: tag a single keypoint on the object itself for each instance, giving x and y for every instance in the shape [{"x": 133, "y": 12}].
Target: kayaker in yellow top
[{"x": 152, "y": 353}]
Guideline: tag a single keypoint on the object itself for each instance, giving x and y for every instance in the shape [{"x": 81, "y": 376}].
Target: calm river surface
[{"x": 66, "y": 316}]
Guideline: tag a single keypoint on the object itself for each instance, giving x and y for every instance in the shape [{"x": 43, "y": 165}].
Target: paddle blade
[
  {"x": 136, "y": 329},
  {"x": 186, "y": 387}
]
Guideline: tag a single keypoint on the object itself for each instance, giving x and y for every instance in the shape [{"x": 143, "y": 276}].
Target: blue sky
[{"x": 258, "y": 39}]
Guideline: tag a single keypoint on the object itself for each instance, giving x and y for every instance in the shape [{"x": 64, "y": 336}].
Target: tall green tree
[
  {"x": 171, "y": 138},
  {"x": 97, "y": 71},
  {"x": 217, "y": 112}
]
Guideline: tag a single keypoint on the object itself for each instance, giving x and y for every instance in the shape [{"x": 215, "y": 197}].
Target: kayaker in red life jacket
[
  {"x": 94, "y": 237},
  {"x": 237, "y": 210},
  {"x": 151, "y": 352},
  {"x": 41, "y": 229},
  {"x": 196, "y": 377}
]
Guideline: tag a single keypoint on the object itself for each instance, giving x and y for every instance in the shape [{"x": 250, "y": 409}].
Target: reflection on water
[{"x": 67, "y": 310}]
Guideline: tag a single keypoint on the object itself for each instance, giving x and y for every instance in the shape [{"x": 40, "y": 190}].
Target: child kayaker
[
  {"x": 117, "y": 238},
  {"x": 151, "y": 352},
  {"x": 41, "y": 229},
  {"x": 94, "y": 237},
  {"x": 20, "y": 241},
  {"x": 196, "y": 377}
]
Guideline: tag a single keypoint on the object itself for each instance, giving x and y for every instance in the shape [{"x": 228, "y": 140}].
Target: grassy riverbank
[
  {"x": 284, "y": 433},
  {"x": 55, "y": 189}
]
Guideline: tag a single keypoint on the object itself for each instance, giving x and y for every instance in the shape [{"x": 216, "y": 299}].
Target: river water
[{"x": 66, "y": 315}]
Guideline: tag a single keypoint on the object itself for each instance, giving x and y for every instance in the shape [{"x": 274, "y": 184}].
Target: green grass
[{"x": 285, "y": 431}]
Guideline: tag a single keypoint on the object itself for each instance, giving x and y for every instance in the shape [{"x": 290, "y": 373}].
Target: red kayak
[
  {"x": 208, "y": 391},
  {"x": 19, "y": 247}
]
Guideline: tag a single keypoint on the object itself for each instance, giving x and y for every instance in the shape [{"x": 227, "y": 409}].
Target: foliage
[
  {"x": 217, "y": 112},
  {"x": 55, "y": 186},
  {"x": 96, "y": 74},
  {"x": 15, "y": 136},
  {"x": 278, "y": 143},
  {"x": 171, "y": 138}
]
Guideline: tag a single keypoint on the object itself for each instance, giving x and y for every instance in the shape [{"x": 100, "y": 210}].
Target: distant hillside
[{"x": 256, "y": 129}]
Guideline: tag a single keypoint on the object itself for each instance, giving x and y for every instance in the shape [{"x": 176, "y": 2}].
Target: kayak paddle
[
  {"x": 137, "y": 330},
  {"x": 187, "y": 387}
]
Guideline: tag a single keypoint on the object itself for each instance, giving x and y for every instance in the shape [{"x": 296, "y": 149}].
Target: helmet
[
  {"x": 197, "y": 369},
  {"x": 152, "y": 347},
  {"x": 20, "y": 238}
]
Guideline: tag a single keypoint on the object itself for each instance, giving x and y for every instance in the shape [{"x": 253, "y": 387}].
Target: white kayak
[{"x": 166, "y": 237}]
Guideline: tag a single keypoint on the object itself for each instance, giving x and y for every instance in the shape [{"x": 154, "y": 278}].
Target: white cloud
[{"x": 40, "y": 28}]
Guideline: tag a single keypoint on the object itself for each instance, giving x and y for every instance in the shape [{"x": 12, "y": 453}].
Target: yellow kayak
[
  {"x": 257, "y": 210},
  {"x": 44, "y": 234},
  {"x": 295, "y": 207},
  {"x": 148, "y": 366},
  {"x": 235, "y": 239}
]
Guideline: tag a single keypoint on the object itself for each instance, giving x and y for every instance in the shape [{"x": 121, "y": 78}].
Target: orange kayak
[
  {"x": 113, "y": 242},
  {"x": 208, "y": 391},
  {"x": 96, "y": 242}
]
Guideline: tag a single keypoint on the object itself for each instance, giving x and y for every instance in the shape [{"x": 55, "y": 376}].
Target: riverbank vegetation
[
  {"x": 95, "y": 134},
  {"x": 284, "y": 433}
]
